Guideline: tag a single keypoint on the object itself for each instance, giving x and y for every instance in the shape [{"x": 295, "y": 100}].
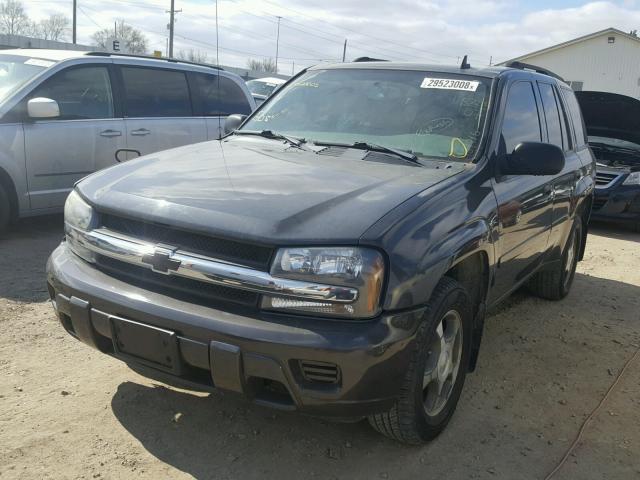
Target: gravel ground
[{"x": 67, "y": 411}]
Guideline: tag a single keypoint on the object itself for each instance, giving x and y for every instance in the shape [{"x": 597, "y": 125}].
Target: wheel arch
[{"x": 6, "y": 182}]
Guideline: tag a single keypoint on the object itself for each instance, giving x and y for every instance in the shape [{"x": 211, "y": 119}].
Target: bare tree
[
  {"x": 131, "y": 39},
  {"x": 267, "y": 65},
  {"x": 53, "y": 28},
  {"x": 13, "y": 18},
  {"x": 195, "y": 56}
]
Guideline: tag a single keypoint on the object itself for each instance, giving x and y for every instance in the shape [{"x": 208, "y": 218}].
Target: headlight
[
  {"x": 78, "y": 215},
  {"x": 77, "y": 212},
  {"x": 354, "y": 267},
  {"x": 632, "y": 179}
]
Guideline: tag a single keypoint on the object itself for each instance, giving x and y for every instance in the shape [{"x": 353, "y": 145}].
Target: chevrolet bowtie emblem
[{"x": 161, "y": 260}]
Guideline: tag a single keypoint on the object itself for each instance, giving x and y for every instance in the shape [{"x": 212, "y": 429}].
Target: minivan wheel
[
  {"x": 555, "y": 284},
  {"x": 5, "y": 209},
  {"x": 439, "y": 362}
]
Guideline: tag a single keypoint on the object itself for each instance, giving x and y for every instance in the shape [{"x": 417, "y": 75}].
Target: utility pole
[
  {"x": 490, "y": 60},
  {"x": 344, "y": 50},
  {"x": 277, "y": 42},
  {"x": 172, "y": 21},
  {"x": 293, "y": 67},
  {"x": 75, "y": 7}
]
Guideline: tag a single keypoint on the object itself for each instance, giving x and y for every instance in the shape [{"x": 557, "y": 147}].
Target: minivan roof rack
[
  {"x": 527, "y": 66},
  {"x": 369, "y": 59},
  {"x": 149, "y": 57}
]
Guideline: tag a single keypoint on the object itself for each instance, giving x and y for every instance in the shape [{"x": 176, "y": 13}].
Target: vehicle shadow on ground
[
  {"x": 517, "y": 411},
  {"x": 25, "y": 247},
  {"x": 611, "y": 230}
]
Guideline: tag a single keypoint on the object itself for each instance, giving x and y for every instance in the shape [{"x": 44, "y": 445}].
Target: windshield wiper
[
  {"x": 374, "y": 147},
  {"x": 296, "y": 142}
]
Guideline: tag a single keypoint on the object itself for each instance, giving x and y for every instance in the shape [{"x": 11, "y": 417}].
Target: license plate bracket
[{"x": 145, "y": 344}]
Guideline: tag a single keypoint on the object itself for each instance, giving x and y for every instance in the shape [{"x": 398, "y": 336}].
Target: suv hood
[
  {"x": 610, "y": 115},
  {"x": 260, "y": 190}
]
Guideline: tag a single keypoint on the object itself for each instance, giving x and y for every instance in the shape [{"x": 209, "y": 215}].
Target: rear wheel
[
  {"x": 5, "y": 209},
  {"x": 554, "y": 284},
  {"x": 436, "y": 374}
]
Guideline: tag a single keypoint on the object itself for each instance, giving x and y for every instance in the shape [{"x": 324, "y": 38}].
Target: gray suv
[{"x": 64, "y": 115}]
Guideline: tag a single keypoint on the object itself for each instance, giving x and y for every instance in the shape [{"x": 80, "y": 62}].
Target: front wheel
[
  {"x": 437, "y": 370},
  {"x": 5, "y": 209}
]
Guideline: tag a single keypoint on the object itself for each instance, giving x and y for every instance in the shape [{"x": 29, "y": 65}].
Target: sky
[{"x": 314, "y": 31}]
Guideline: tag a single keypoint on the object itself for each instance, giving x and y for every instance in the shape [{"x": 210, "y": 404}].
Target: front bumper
[
  {"x": 346, "y": 369},
  {"x": 620, "y": 203}
]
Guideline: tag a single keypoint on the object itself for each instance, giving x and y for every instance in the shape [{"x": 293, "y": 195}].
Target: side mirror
[
  {"x": 43, "y": 108},
  {"x": 233, "y": 122},
  {"x": 533, "y": 158}
]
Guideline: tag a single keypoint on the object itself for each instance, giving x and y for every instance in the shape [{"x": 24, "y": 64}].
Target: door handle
[
  {"x": 140, "y": 132},
  {"x": 110, "y": 133}
]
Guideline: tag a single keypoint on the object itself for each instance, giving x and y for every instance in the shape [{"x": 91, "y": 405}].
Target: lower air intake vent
[{"x": 319, "y": 372}]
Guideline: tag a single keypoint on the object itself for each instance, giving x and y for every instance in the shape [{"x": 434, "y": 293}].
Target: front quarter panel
[
  {"x": 12, "y": 161},
  {"x": 436, "y": 230}
]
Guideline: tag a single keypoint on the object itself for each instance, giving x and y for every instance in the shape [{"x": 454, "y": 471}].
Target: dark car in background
[
  {"x": 613, "y": 128},
  {"x": 336, "y": 253}
]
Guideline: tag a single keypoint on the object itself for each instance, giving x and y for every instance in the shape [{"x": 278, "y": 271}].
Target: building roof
[{"x": 599, "y": 33}]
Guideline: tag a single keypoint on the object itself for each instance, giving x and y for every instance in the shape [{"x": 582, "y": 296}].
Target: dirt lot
[{"x": 67, "y": 411}]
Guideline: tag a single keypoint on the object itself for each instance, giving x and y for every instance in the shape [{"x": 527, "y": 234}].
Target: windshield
[
  {"x": 431, "y": 114},
  {"x": 260, "y": 87},
  {"x": 16, "y": 70},
  {"x": 614, "y": 142}
]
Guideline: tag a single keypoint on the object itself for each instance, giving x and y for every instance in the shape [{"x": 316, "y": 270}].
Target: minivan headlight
[
  {"x": 632, "y": 179},
  {"x": 355, "y": 267}
]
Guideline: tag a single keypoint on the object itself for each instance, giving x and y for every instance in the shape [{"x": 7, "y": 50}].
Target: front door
[
  {"x": 85, "y": 138},
  {"x": 525, "y": 202},
  {"x": 158, "y": 110}
]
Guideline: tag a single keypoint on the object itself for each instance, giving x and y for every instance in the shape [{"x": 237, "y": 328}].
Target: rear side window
[
  {"x": 521, "y": 122},
  {"x": 155, "y": 92},
  {"x": 552, "y": 115},
  {"x": 220, "y": 96},
  {"x": 576, "y": 117},
  {"x": 82, "y": 93}
]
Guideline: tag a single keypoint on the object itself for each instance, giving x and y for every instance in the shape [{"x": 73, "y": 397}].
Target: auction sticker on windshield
[{"x": 450, "y": 84}]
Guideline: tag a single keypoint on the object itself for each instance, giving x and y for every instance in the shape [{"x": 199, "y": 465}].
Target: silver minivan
[{"x": 66, "y": 114}]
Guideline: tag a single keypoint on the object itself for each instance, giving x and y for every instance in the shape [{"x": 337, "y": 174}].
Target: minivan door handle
[
  {"x": 110, "y": 133},
  {"x": 140, "y": 132}
]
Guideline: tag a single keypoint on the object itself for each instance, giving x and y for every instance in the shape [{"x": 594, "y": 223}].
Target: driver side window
[
  {"x": 521, "y": 122},
  {"x": 82, "y": 93}
]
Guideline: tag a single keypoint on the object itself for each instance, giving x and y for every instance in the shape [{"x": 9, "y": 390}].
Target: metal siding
[{"x": 602, "y": 66}]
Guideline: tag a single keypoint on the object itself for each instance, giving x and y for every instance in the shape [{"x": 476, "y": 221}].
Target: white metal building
[{"x": 608, "y": 61}]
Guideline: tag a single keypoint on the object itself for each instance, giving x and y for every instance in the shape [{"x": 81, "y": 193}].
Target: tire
[
  {"x": 420, "y": 414},
  {"x": 555, "y": 284},
  {"x": 5, "y": 209}
]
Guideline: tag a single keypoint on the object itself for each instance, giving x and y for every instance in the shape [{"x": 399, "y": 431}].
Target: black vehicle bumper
[
  {"x": 346, "y": 369},
  {"x": 620, "y": 205}
]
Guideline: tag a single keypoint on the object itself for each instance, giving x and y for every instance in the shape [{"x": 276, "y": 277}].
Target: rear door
[
  {"x": 558, "y": 133},
  {"x": 525, "y": 202},
  {"x": 158, "y": 109},
  {"x": 85, "y": 137},
  {"x": 217, "y": 97}
]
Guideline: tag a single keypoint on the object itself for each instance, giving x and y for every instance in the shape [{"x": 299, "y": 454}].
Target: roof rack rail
[
  {"x": 149, "y": 57},
  {"x": 369, "y": 59},
  {"x": 527, "y": 66}
]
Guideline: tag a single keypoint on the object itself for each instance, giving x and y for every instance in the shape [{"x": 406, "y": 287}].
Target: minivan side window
[
  {"x": 552, "y": 115},
  {"x": 220, "y": 96},
  {"x": 81, "y": 93},
  {"x": 155, "y": 92},
  {"x": 521, "y": 122},
  {"x": 576, "y": 117}
]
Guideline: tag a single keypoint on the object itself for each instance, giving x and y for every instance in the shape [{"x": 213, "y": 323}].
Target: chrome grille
[
  {"x": 242, "y": 253},
  {"x": 604, "y": 179}
]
